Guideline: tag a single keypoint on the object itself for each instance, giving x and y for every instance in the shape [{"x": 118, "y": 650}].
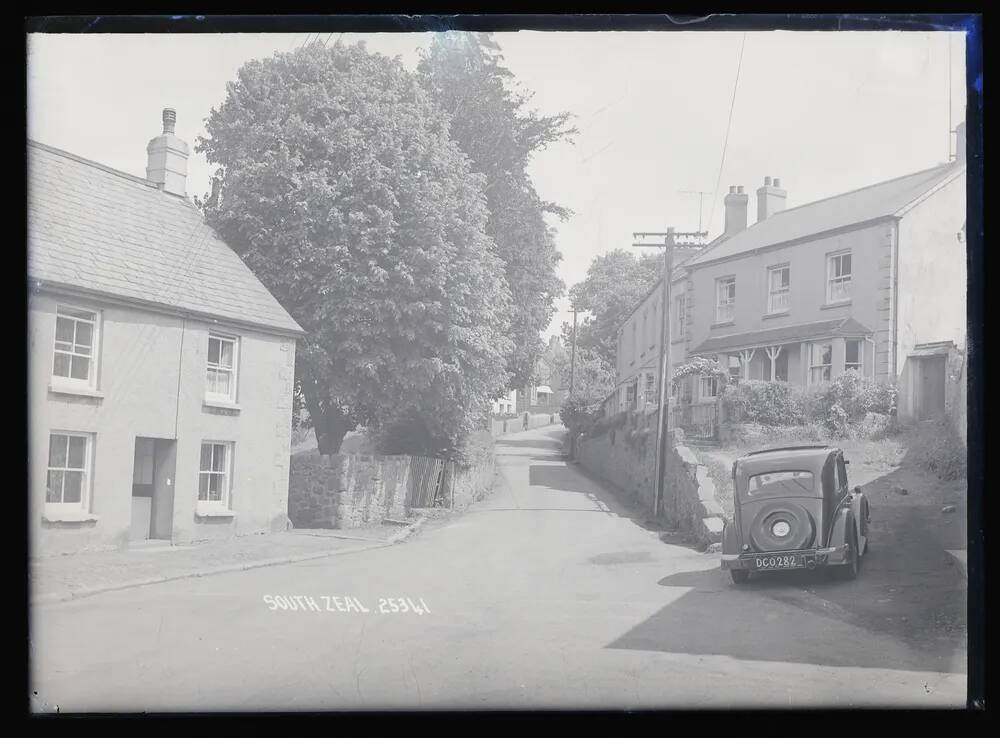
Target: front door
[{"x": 142, "y": 488}]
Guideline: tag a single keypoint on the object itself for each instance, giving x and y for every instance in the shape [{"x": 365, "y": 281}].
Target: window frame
[
  {"x": 680, "y": 305},
  {"x": 842, "y": 279},
  {"x": 729, "y": 305},
  {"x": 231, "y": 397},
  {"x": 226, "y": 502},
  {"x": 785, "y": 291},
  {"x": 859, "y": 365},
  {"x": 62, "y": 311},
  {"x": 827, "y": 366},
  {"x": 713, "y": 382},
  {"x": 86, "y": 483}
]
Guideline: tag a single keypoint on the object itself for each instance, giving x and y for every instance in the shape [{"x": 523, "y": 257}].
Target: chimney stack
[
  {"x": 166, "y": 165},
  {"x": 736, "y": 210},
  {"x": 770, "y": 199}
]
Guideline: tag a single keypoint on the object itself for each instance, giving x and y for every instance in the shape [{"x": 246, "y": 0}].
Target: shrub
[
  {"x": 579, "y": 413},
  {"x": 767, "y": 403},
  {"x": 937, "y": 448}
]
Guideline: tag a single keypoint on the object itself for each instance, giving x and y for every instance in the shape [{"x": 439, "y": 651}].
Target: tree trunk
[{"x": 330, "y": 424}]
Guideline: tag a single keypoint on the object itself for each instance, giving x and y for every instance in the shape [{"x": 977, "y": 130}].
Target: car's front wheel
[{"x": 740, "y": 576}]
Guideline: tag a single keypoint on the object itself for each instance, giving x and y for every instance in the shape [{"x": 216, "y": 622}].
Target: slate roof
[
  {"x": 97, "y": 230},
  {"x": 880, "y": 200},
  {"x": 840, "y": 327}
]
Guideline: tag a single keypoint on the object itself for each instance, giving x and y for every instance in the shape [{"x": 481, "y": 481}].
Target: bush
[
  {"x": 838, "y": 405},
  {"x": 937, "y": 448},
  {"x": 579, "y": 413},
  {"x": 767, "y": 403}
]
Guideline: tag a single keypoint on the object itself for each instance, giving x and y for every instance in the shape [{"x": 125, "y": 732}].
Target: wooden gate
[{"x": 425, "y": 481}]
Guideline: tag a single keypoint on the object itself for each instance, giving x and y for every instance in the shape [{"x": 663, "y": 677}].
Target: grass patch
[
  {"x": 935, "y": 447},
  {"x": 721, "y": 474}
]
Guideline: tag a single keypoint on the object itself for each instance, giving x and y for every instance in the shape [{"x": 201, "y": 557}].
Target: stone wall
[
  {"x": 347, "y": 490},
  {"x": 352, "y": 490},
  {"x": 626, "y": 457}
]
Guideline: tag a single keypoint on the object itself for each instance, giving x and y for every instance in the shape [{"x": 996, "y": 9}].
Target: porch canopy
[{"x": 818, "y": 330}]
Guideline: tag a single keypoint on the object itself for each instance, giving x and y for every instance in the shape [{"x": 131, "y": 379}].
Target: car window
[
  {"x": 781, "y": 483},
  {"x": 841, "y": 474}
]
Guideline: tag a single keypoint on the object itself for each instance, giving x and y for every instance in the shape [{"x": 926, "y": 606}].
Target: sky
[{"x": 658, "y": 119}]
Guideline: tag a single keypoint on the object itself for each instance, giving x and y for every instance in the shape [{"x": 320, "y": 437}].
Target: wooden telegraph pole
[
  {"x": 572, "y": 357},
  {"x": 663, "y": 414}
]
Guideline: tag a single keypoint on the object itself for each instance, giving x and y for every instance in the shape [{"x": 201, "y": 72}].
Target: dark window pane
[
  {"x": 845, "y": 264},
  {"x": 53, "y": 487},
  {"x": 827, "y": 356},
  {"x": 77, "y": 452},
  {"x": 84, "y": 335},
  {"x": 79, "y": 367},
  {"x": 852, "y": 352},
  {"x": 213, "y": 351},
  {"x": 214, "y": 488},
  {"x": 219, "y": 458},
  {"x": 64, "y": 330},
  {"x": 206, "y": 456},
  {"x": 60, "y": 366},
  {"x": 73, "y": 489},
  {"x": 203, "y": 487},
  {"x": 57, "y": 451}
]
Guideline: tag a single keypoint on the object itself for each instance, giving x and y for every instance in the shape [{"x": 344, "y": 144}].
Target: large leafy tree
[
  {"x": 614, "y": 284},
  {"x": 343, "y": 191},
  {"x": 491, "y": 122}
]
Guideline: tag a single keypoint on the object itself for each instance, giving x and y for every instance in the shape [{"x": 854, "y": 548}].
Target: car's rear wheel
[
  {"x": 740, "y": 576},
  {"x": 850, "y": 569}
]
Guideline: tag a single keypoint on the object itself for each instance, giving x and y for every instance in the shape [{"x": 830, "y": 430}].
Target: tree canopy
[
  {"x": 342, "y": 189},
  {"x": 614, "y": 284},
  {"x": 491, "y": 122}
]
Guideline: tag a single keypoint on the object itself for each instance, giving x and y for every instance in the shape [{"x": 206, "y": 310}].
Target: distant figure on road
[{"x": 526, "y": 421}]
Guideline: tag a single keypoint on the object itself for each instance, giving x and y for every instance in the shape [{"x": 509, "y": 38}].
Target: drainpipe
[
  {"x": 894, "y": 363},
  {"x": 180, "y": 368}
]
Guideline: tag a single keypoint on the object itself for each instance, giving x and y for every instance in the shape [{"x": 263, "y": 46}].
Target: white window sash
[
  {"x": 838, "y": 285},
  {"x": 71, "y": 349},
  {"x": 215, "y": 370},
  {"x": 225, "y": 475},
  {"x": 83, "y": 505}
]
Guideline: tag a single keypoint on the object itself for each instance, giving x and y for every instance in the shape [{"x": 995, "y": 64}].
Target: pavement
[
  {"x": 60, "y": 578},
  {"x": 547, "y": 594}
]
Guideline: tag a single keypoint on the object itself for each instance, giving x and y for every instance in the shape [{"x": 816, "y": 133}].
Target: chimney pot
[
  {"x": 169, "y": 119},
  {"x": 739, "y": 190},
  {"x": 767, "y": 181},
  {"x": 777, "y": 182},
  {"x": 732, "y": 189}
]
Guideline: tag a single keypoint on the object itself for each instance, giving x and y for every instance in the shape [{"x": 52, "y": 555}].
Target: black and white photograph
[{"x": 514, "y": 366}]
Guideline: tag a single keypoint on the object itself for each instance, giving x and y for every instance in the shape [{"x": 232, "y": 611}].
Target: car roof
[{"x": 811, "y": 458}]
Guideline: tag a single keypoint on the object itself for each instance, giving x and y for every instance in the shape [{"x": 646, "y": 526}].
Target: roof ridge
[
  {"x": 95, "y": 164},
  {"x": 941, "y": 167}
]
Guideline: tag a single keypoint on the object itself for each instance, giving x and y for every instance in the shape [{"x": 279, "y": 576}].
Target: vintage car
[{"x": 793, "y": 509}]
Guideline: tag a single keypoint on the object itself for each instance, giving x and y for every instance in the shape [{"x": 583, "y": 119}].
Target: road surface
[{"x": 545, "y": 595}]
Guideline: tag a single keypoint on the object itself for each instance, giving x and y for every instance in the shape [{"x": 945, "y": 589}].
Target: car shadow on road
[{"x": 775, "y": 618}]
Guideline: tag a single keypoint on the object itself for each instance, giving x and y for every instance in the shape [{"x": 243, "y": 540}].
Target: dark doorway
[
  {"x": 153, "y": 489},
  {"x": 931, "y": 387}
]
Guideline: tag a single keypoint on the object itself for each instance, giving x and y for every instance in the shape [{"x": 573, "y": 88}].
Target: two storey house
[
  {"x": 871, "y": 280},
  {"x": 160, "y": 368}
]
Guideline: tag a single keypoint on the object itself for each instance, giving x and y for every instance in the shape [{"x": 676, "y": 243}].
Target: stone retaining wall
[
  {"x": 626, "y": 457},
  {"x": 353, "y": 490}
]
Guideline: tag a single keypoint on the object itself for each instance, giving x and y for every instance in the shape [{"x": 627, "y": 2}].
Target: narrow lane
[{"x": 544, "y": 595}]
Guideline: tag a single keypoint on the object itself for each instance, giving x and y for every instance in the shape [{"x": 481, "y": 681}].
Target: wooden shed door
[{"x": 930, "y": 397}]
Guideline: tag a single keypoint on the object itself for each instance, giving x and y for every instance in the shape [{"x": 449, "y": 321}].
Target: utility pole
[
  {"x": 663, "y": 414},
  {"x": 572, "y": 357}
]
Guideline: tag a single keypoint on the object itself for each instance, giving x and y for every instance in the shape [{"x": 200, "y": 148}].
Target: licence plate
[{"x": 778, "y": 561}]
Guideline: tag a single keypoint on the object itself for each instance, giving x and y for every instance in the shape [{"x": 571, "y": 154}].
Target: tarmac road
[{"x": 545, "y": 595}]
